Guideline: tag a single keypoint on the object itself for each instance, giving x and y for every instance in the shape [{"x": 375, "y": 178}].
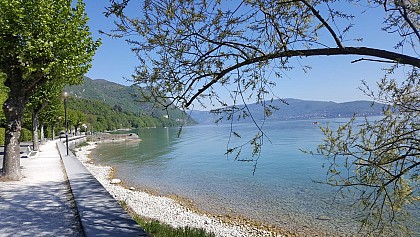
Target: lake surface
[{"x": 281, "y": 192}]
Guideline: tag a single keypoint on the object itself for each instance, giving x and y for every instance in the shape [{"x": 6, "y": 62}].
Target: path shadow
[{"x": 38, "y": 210}]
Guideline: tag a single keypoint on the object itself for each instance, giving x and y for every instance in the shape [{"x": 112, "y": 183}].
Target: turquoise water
[{"x": 281, "y": 192}]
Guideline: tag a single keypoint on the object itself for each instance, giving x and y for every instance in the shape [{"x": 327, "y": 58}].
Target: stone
[
  {"x": 115, "y": 181},
  {"x": 323, "y": 218}
]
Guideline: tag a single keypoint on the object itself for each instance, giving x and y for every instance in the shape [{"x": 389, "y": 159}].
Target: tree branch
[
  {"x": 379, "y": 53},
  {"x": 372, "y": 60},
  {"x": 404, "y": 14},
  {"x": 325, "y": 23}
]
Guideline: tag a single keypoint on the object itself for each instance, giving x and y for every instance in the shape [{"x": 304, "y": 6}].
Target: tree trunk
[
  {"x": 52, "y": 132},
  {"x": 35, "y": 131},
  {"x": 13, "y": 111},
  {"x": 42, "y": 134}
]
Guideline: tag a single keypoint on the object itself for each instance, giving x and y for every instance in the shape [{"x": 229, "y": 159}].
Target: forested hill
[
  {"x": 123, "y": 100},
  {"x": 301, "y": 109}
]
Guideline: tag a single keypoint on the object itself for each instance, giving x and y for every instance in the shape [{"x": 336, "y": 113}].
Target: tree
[
  {"x": 37, "y": 102},
  {"x": 52, "y": 115},
  {"x": 40, "y": 41},
  {"x": 76, "y": 119},
  {"x": 48, "y": 96},
  {"x": 379, "y": 160},
  {"x": 3, "y": 97},
  {"x": 188, "y": 50}
]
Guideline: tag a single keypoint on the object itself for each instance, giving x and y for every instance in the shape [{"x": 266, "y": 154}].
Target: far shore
[
  {"x": 168, "y": 210},
  {"x": 110, "y": 137}
]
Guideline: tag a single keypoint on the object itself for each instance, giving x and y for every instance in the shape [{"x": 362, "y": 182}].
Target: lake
[{"x": 193, "y": 165}]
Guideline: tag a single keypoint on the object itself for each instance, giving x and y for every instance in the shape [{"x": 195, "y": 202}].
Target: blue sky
[
  {"x": 114, "y": 60},
  {"x": 331, "y": 78}
]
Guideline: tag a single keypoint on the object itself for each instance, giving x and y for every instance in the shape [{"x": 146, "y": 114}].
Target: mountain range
[
  {"x": 293, "y": 109},
  {"x": 128, "y": 99}
]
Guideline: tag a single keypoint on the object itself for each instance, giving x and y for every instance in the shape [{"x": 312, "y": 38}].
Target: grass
[
  {"x": 82, "y": 144},
  {"x": 156, "y": 229}
]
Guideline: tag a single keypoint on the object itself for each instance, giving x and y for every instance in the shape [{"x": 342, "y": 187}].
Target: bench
[{"x": 29, "y": 153}]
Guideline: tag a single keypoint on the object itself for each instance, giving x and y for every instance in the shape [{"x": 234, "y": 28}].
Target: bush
[
  {"x": 2, "y": 134},
  {"x": 25, "y": 135}
]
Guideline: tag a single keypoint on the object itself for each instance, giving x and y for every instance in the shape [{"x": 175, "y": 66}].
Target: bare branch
[
  {"x": 396, "y": 57},
  {"x": 404, "y": 14},
  {"x": 371, "y": 60},
  {"x": 325, "y": 23}
]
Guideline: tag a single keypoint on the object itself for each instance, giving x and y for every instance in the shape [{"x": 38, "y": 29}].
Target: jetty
[{"x": 106, "y": 137}]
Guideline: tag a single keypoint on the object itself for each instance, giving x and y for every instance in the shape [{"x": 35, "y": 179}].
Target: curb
[{"x": 99, "y": 212}]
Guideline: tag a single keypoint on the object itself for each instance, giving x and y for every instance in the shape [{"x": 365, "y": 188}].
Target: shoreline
[{"x": 169, "y": 210}]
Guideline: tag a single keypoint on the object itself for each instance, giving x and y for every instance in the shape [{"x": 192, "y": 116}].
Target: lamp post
[
  {"x": 65, "y": 95},
  {"x": 59, "y": 122}
]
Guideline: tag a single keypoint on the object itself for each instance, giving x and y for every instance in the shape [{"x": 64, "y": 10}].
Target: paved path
[
  {"x": 40, "y": 204},
  {"x": 60, "y": 200}
]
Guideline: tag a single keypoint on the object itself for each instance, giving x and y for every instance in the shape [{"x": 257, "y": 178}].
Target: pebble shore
[{"x": 164, "y": 209}]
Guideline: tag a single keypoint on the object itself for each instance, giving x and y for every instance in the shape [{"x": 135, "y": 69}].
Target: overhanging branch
[{"x": 363, "y": 51}]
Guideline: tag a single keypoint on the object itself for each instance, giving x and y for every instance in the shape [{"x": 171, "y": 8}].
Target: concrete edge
[{"x": 100, "y": 214}]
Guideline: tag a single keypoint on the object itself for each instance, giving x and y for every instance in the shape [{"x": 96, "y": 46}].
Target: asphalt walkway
[
  {"x": 60, "y": 199},
  {"x": 41, "y": 203}
]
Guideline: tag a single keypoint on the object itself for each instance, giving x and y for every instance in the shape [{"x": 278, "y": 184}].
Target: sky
[{"x": 332, "y": 78}]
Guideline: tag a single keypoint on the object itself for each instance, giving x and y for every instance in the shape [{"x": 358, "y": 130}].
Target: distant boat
[{"x": 315, "y": 123}]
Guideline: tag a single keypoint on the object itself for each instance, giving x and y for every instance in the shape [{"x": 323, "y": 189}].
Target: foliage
[
  {"x": 186, "y": 48},
  {"x": 45, "y": 41},
  {"x": 75, "y": 118},
  {"x": 2, "y": 136},
  {"x": 41, "y": 41},
  {"x": 111, "y": 93},
  {"x": 191, "y": 50},
  {"x": 381, "y": 158},
  {"x": 53, "y": 113},
  {"x": 79, "y": 145},
  {"x": 100, "y": 116},
  {"x": 43, "y": 98},
  {"x": 125, "y": 99},
  {"x": 25, "y": 135}
]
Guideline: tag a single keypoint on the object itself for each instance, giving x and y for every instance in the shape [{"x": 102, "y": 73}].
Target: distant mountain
[
  {"x": 110, "y": 93},
  {"x": 298, "y": 109},
  {"x": 125, "y": 99}
]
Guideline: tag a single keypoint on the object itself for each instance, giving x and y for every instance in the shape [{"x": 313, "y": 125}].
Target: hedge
[
  {"x": 2, "y": 136},
  {"x": 25, "y": 135}
]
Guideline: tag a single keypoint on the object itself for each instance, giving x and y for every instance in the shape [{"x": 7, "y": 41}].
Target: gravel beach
[{"x": 164, "y": 209}]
